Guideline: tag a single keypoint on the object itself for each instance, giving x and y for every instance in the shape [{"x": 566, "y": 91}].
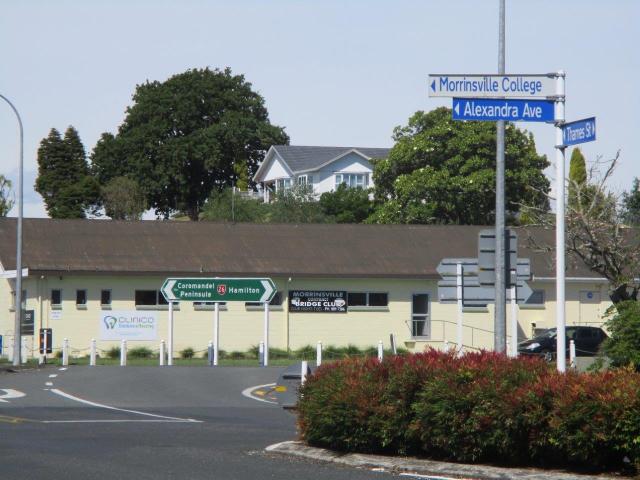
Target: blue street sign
[
  {"x": 580, "y": 131},
  {"x": 491, "y": 110}
]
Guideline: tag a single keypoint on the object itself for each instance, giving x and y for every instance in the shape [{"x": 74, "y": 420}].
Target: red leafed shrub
[{"x": 481, "y": 407}]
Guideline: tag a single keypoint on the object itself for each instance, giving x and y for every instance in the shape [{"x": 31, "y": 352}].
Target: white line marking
[
  {"x": 48, "y": 384},
  {"x": 53, "y": 375},
  {"x": 427, "y": 477},
  {"x": 117, "y": 421},
  {"x": 109, "y": 407},
  {"x": 10, "y": 393},
  {"x": 62, "y": 369},
  {"x": 247, "y": 393}
]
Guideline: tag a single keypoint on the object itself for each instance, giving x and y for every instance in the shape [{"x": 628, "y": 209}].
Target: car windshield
[{"x": 553, "y": 333}]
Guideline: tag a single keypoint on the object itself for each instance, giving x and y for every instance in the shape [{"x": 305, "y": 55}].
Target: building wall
[
  {"x": 275, "y": 170},
  {"x": 242, "y": 327},
  {"x": 351, "y": 163}
]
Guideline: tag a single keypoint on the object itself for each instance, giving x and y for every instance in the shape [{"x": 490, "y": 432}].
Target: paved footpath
[{"x": 140, "y": 423}]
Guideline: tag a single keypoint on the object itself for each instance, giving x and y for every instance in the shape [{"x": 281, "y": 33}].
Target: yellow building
[{"x": 81, "y": 271}]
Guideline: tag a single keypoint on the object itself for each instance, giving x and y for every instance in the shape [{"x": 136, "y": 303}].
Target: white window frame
[
  {"x": 352, "y": 180},
  {"x": 283, "y": 184}
]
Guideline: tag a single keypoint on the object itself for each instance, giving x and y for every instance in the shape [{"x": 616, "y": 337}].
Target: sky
[{"x": 340, "y": 73}]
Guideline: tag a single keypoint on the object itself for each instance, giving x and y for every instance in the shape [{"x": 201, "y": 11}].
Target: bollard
[
  {"x": 210, "y": 355},
  {"x": 163, "y": 353},
  {"x": 319, "y": 353},
  {"x": 303, "y": 373},
  {"x": 123, "y": 353},
  {"x": 572, "y": 353},
  {"x": 92, "y": 354},
  {"x": 380, "y": 350},
  {"x": 261, "y": 354},
  {"x": 65, "y": 352}
]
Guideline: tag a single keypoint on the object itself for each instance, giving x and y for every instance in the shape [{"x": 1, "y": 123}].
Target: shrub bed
[{"x": 482, "y": 407}]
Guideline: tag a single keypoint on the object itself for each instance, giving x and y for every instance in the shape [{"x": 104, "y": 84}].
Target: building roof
[
  {"x": 209, "y": 248},
  {"x": 302, "y": 158}
]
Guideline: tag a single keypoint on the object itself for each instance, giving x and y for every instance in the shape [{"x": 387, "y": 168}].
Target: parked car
[{"x": 587, "y": 341}]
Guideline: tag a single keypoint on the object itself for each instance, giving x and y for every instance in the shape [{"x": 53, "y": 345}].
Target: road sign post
[
  {"x": 560, "y": 226},
  {"x": 216, "y": 290}
]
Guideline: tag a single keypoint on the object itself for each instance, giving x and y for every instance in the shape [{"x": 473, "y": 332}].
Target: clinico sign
[{"x": 128, "y": 325}]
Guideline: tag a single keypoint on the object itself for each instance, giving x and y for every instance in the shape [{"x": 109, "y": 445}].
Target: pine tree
[{"x": 64, "y": 180}]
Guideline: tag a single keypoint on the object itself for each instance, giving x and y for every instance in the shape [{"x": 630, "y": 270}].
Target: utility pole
[{"x": 500, "y": 313}]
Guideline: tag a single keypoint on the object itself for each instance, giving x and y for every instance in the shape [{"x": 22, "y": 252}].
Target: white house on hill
[{"x": 324, "y": 168}]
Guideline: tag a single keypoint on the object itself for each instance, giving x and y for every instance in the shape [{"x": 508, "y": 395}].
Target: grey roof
[
  {"x": 210, "y": 248},
  {"x": 300, "y": 158}
]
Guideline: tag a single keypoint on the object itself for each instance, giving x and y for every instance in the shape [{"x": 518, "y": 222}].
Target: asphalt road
[{"x": 148, "y": 423}]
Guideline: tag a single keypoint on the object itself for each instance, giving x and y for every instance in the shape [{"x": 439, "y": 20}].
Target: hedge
[{"x": 481, "y": 407}]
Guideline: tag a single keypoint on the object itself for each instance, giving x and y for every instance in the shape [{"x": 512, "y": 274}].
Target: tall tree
[
  {"x": 199, "y": 131},
  {"x": 123, "y": 199},
  {"x": 64, "y": 181},
  {"x": 6, "y": 197},
  {"x": 577, "y": 175},
  {"x": 631, "y": 204},
  {"x": 443, "y": 171}
]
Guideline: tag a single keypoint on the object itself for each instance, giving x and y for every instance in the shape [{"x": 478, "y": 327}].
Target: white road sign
[{"x": 492, "y": 86}]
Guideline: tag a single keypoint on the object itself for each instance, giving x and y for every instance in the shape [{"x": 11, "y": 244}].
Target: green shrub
[
  {"x": 623, "y": 324},
  {"x": 481, "y": 407},
  {"x": 275, "y": 353},
  {"x": 308, "y": 352},
  {"x": 113, "y": 353},
  {"x": 235, "y": 355},
  {"x": 138, "y": 352},
  {"x": 58, "y": 354},
  {"x": 187, "y": 353}
]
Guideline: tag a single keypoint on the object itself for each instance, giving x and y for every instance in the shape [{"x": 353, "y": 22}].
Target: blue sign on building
[
  {"x": 580, "y": 131},
  {"x": 491, "y": 110}
]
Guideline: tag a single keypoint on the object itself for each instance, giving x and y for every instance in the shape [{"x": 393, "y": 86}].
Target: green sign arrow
[{"x": 218, "y": 289}]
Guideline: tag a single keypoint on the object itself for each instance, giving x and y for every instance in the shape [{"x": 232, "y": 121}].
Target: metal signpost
[{"x": 259, "y": 290}]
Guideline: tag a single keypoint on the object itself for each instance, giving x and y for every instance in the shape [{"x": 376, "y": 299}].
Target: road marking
[
  {"x": 10, "y": 393},
  {"x": 62, "y": 369},
  {"x": 247, "y": 393},
  {"x": 48, "y": 384},
  {"x": 119, "y": 421},
  {"x": 13, "y": 420},
  {"x": 53, "y": 375},
  {"x": 109, "y": 407},
  {"x": 425, "y": 477}
]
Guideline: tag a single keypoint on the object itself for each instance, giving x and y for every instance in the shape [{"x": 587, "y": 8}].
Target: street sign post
[
  {"x": 492, "y": 86},
  {"x": 580, "y": 131},
  {"x": 219, "y": 289},
  {"x": 512, "y": 110},
  {"x": 259, "y": 290}
]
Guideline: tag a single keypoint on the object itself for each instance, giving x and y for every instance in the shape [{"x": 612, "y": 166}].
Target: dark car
[{"x": 587, "y": 341}]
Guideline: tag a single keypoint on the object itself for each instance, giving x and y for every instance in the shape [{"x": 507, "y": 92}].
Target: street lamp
[{"x": 17, "y": 344}]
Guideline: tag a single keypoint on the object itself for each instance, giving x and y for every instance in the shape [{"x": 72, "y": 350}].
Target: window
[
  {"x": 276, "y": 301},
  {"x": 305, "y": 179},
  {"x": 420, "y": 324},
  {"x": 353, "y": 180},
  {"x": 209, "y": 305},
  {"x": 367, "y": 299},
  {"x": 56, "y": 297},
  {"x": 105, "y": 297},
  {"x": 283, "y": 184},
  {"x": 150, "y": 298},
  {"x": 81, "y": 298}
]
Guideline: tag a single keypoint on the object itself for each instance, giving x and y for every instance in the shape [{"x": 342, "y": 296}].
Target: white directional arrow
[
  {"x": 268, "y": 290},
  {"x": 456, "y": 108},
  {"x": 167, "y": 290},
  {"x": 10, "y": 393}
]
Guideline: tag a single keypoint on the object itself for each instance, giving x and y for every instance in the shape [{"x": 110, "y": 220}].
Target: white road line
[
  {"x": 247, "y": 393},
  {"x": 48, "y": 384},
  {"x": 118, "y": 421},
  {"x": 62, "y": 369},
  {"x": 53, "y": 375},
  {"x": 109, "y": 407}
]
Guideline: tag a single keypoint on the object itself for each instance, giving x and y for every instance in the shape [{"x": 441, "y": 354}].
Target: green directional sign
[{"x": 218, "y": 289}]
